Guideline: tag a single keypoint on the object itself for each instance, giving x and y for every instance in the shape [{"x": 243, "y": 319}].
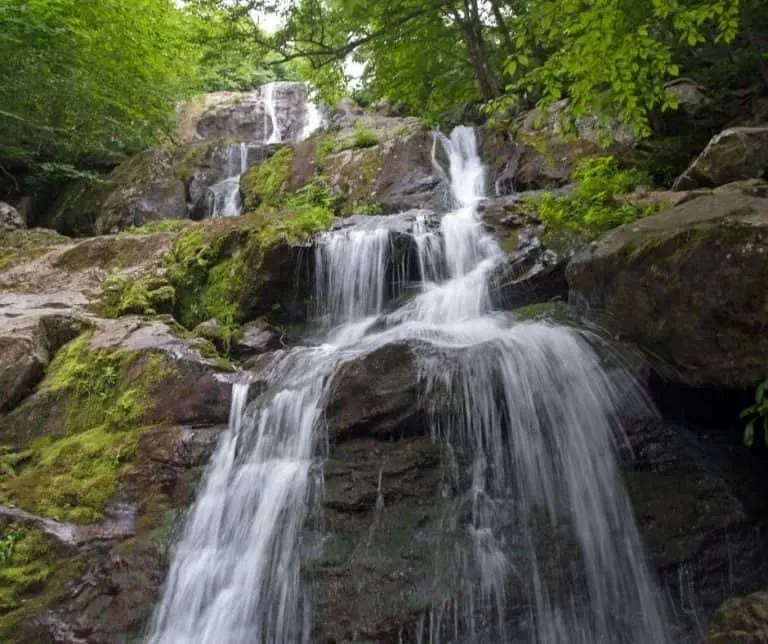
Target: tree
[{"x": 87, "y": 78}]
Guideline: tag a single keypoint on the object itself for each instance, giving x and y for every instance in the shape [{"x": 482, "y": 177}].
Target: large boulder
[
  {"x": 377, "y": 395},
  {"x": 142, "y": 189},
  {"x": 688, "y": 286},
  {"x": 734, "y": 154},
  {"x": 391, "y": 174}
]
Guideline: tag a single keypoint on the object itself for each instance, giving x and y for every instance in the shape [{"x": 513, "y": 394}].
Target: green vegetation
[
  {"x": 362, "y": 137},
  {"x": 105, "y": 403},
  {"x": 756, "y": 414},
  {"x": 595, "y": 205},
  {"x": 145, "y": 295},
  {"x": 267, "y": 184},
  {"x": 158, "y": 226},
  {"x": 25, "y": 564},
  {"x": 513, "y": 53}
]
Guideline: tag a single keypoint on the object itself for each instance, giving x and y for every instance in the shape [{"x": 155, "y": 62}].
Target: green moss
[
  {"x": 22, "y": 246},
  {"x": 557, "y": 312},
  {"x": 71, "y": 476},
  {"x": 25, "y": 561},
  {"x": 267, "y": 183},
  {"x": 32, "y": 578},
  {"x": 157, "y": 226},
  {"x": 510, "y": 242},
  {"x": 144, "y": 295}
]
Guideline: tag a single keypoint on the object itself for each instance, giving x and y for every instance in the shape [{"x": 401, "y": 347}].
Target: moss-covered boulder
[{"x": 688, "y": 286}]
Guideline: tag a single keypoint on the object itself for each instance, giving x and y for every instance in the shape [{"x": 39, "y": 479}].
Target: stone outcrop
[
  {"x": 688, "y": 286},
  {"x": 734, "y": 154}
]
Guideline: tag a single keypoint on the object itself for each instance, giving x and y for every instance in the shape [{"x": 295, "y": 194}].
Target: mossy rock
[
  {"x": 22, "y": 246},
  {"x": 101, "y": 393},
  {"x": 268, "y": 183},
  {"x": 688, "y": 287},
  {"x": 141, "y": 189},
  {"x": 554, "y": 312}
]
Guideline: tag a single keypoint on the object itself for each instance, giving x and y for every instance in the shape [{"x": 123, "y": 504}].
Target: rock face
[
  {"x": 10, "y": 219},
  {"x": 376, "y": 163},
  {"x": 244, "y": 116},
  {"x": 688, "y": 286},
  {"x": 735, "y": 154},
  {"x": 535, "y": 155}
]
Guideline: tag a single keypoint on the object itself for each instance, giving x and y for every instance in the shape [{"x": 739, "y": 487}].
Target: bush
[{"x": 594, "y": 206}]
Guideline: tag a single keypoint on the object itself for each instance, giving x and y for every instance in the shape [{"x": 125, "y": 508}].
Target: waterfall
[
  {"x": 539, "y": 543},
  {"x": 223, "y": 198},
  {"x": 271, "y": 125}
]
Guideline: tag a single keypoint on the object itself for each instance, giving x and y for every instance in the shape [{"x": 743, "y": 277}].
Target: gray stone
[{"x": 732, "y": 155}]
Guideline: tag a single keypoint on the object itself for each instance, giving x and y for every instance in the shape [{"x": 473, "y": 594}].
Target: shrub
[{"x": 594, "y": 206}]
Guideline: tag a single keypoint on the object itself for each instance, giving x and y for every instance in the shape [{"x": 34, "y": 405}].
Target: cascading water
[
  {"x": 223, "y": 198},
  {"x": 539, "y": 544}
]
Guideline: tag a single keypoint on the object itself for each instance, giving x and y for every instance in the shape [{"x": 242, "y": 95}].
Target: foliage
[
  {"x": 562, "y": 47},
  {"x": 757, "y": 413},
  {"x": 89, "y": 78},
  {"x": 593, "y": 207},
  {"x": 145, "y": 295},
  {"x": 231, "y": 57},
  {"x": 362, "y": 137},
  {"x": 106, "y": 400}
]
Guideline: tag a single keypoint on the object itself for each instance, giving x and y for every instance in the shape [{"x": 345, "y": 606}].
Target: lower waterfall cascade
[{"x": 541, "y": 544}]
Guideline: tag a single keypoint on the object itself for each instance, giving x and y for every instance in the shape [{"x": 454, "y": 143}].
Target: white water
[
  {"x": 271, "y": 126},
  {"x": 550, "y": 552}
]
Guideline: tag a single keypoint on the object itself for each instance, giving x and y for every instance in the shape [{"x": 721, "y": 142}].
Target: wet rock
[
  {"x": 377, "y": 395},
  {"x": 10, "y": 219},
  {"x": 255, "y": 338},
  {"x": 27, "y": 345},
  {"x": 687, "y": 286},
  {"x": 700, "y": 535},
  {"x": 372, "y": 566},
  {"x": 740, "y": 620},
  {"x": 732, "y": 155}
]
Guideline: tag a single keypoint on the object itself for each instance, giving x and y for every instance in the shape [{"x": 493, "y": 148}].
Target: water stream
[{"x": 540, "y": 540}]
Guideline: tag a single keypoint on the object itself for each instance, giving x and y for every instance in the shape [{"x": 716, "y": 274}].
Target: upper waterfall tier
[{"x": 273, "y": 113}]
